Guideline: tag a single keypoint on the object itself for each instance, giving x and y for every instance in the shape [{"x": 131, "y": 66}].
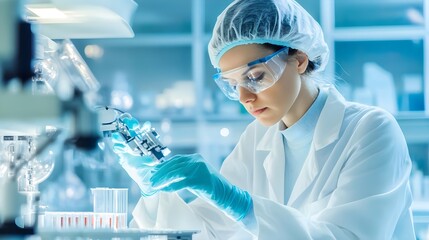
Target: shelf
[
  {"x": 379, "y": 33},
  {"x": 420, "y": 206}
]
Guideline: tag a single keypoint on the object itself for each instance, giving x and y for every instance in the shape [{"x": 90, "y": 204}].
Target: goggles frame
[{"x": 270, "y": 63}]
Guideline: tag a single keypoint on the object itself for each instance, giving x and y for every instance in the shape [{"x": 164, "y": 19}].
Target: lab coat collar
[
  {"x": 326, "y": 132},
  {"x": 274, "y": 166},
  {"x": 330, "y": 120},
  {"x": 274, "y": 163}
]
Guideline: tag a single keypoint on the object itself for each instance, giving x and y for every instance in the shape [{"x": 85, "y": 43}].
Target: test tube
[
  {"x": 67, "y": 220},
  {"x": 110, "y": 212},
  {"x": 110, "y": 207}
]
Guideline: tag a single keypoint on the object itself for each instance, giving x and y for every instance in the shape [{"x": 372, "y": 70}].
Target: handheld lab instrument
[{"x": 142, "y": 141}]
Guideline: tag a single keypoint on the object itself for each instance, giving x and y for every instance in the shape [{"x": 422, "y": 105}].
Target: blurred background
[{"x": 379, "y": 56}]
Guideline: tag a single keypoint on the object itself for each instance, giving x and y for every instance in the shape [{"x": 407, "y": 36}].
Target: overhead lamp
[{"x": 78, "y": 19}]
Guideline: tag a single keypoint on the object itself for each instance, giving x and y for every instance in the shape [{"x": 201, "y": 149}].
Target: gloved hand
[
  {"x": 192, "y": 172},
  {"x": 139, "y": 168}
]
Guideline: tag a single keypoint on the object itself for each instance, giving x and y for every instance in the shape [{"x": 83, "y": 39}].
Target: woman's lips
[{"x": 259, "y": 111}]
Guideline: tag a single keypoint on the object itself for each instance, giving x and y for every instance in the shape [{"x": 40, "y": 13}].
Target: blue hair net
[{"x": 277, "y": 22}]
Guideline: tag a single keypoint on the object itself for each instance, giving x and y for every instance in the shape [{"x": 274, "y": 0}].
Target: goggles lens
[{"x": 255, "y": 76}]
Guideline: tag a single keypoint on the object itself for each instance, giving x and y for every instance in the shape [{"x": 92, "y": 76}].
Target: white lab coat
[{"x": 353, "y": 184}]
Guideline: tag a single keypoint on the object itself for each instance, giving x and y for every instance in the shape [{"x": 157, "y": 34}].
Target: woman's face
[{"x": 279, "y": 102}]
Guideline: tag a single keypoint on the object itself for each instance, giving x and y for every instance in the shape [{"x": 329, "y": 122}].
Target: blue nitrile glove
[
  {"x": 192, "y": 172},
  {"x": 139, "y": 168},
  {"x": 139, "y": 171}
]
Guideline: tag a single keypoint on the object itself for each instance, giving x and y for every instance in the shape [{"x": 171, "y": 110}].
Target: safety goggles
[{"x": 255, "y": 76}]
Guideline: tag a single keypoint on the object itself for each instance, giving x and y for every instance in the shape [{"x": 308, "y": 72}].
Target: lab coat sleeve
[{"x": 371, "y": 195}]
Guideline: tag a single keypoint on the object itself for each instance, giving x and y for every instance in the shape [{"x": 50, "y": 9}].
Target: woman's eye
[{"x": 255, "y": 76}]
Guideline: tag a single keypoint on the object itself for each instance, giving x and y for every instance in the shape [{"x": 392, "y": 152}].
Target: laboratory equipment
[
  {"x": 138, "y": 146},
  {"x": 111, "y": 204},
  {"x": 107, "y": 221},
  {"x": 141, "y": 141},
  {"x": 16, "y": 161},
  {"x": 19, "y": 179},
  {"x": 110, "y": 212},
  {"x": 82, "y": 221},
  {"x": 110, "y": 200},
  {"x": 18, "y": 150},
  {"x": 52, "y": 89},
  {"x": 56, "y": 103}
]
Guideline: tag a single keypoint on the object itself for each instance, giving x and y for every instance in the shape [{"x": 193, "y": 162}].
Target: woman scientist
[{"x": 311, "y": 166}]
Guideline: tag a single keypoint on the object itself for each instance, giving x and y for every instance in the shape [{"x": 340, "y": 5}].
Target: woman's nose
[{"x": 245, "y": 95}]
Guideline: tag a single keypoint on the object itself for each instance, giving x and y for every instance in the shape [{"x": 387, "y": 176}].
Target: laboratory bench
[{"x": 128, "y": 234}]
